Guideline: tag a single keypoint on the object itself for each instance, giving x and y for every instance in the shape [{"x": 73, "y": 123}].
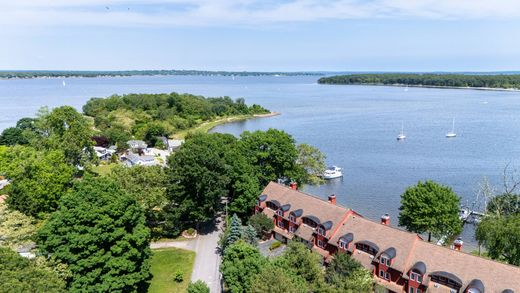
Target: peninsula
[{"x": 477, "y": 81}]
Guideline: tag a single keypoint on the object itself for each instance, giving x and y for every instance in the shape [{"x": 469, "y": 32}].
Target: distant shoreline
[
  {"x": 6, "y": 75},
  {"x": 431, "y": 86}
]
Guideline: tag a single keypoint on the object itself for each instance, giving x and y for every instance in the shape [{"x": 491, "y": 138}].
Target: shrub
[
  {"x": 178, "y": 277},
  {"x": 275, "y": 245},
  {"x": 190, "y": 231},
  {"x": 197, "y": 287}
]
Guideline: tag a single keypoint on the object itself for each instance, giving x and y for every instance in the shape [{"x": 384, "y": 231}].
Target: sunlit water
[{"x": 355, "y": 126}]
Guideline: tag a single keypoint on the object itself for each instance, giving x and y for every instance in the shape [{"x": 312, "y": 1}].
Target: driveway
[{"x": 207, "y": 258}]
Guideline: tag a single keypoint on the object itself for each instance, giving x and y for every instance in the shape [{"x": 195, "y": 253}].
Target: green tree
[
  {"x": 147, "y": 184},
  {"x": 501, "y": 236},
  {"x": 504, "y": 204},
  {"x": 67, "y": 130},
  {"x": 205, "y": 170},
  {"x": 99, "y": 231},
  {"x": 197, "y": 287},
  {"x": 303, "y": 262},
  {"x": 12, "y": 136},
  {"x": 274, "y": 155},
  {"x": 272, "y": 279},
  {"x": 347, "y": 275},
  {"x": 235, "y": 231},
  {"x": 261, "y": 223},
  {"x": 432, "y": 208},
  {"x": 18, "y": 274},
  {"x": 39, "y": 179},
  {"x": 312, "y": 160},
  {"x": 249, "y": 235},
  {"x": 240, "y": 265},
  {"x": 17, "y": 229}
]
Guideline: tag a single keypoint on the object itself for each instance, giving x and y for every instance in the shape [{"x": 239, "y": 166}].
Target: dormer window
[
  {"x": 343, "y": 244},
  {"x": 384, "y": 260},
  {"x": 321, "y": 231},
  {"x": 416, "y": 277},
  {"x": 279, "y": 213},
  {"x": 292, "y": 218}
]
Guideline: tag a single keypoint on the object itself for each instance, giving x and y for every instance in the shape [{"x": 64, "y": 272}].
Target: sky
[{"x": 260, "y": 35}]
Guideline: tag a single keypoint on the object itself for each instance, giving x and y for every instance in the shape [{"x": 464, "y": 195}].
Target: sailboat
[
  {"x": 452, "y": 132},
  {"x": 401, "y": 135},
  {"x": 63, "y": 83}
]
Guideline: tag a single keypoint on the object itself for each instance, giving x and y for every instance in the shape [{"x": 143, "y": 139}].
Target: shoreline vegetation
[
  {"x": 208, "y": 126},
  {"x": 498, "y": 82},
  {"x": 29, "y": 74}
]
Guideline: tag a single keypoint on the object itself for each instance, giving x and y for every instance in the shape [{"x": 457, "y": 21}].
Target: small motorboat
[{"x": 332, "y": 172}]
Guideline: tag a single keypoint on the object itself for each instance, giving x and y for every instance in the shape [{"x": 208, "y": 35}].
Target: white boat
[
  {"x": 332, "y": 172},
  {"x": 401, "y": 135},
  {"x": 452, "y": 132},
  {"x": 63, "y": 83}
]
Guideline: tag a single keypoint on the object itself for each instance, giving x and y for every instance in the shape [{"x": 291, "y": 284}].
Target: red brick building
[{"x": 400, "y": 261}]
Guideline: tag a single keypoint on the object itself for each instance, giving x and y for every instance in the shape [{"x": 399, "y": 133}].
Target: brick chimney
[
  {"x": 332, "y": 199},
  {"x": 385, "y": 219},
  {"x": 293, "y": 185},
  {"x": 457, "y": 244}
]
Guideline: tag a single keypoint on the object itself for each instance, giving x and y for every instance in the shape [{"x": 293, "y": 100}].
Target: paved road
[{"x": 207, "y": 258}]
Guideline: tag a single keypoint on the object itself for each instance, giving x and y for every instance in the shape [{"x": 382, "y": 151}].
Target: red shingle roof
[{"x": 410, "y": 248}]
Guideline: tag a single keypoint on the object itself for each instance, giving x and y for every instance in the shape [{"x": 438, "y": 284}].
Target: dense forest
[
  {"x": 64, "y": 74},
  {"x": 147, "y": 116},
  {"x": 506, "y": 81}
]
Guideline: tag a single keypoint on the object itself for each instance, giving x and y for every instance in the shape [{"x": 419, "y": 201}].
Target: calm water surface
[{"x": 355, "y": 126}]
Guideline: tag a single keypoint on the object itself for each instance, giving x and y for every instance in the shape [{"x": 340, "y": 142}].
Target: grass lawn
[
  {"x": 167, "y": 261},
  {"x": 103, "y": 170},
  {"x": 207, "y": 126}
]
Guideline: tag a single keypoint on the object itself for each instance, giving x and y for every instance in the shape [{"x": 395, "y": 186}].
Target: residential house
[
  {"x": 104, "y": 154},
  {"x": 137, "y": 146},
  {"x": 172, "y": 145},
  {"x": 399, "y": 260},
  {"x": 132, "y": 159}
]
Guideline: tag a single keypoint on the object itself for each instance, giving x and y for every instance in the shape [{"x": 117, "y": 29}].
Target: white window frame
[
  {"x": 412, "y": 276},
  {"x": 279, "y": 212},
  {"x": 292, "y": 218},
  {"x": 280, "y": 223},
  {"x": 292, "y": 229},
  {"x": 342, "y": 244},
  {"x": 381, "y": 274},
  {"x": 411, "y": 290},
  {"x": 383, "y": 260},
  {"x": 321, "y": 244},
  {"x": 387, "y": 276},
  {"x": 321, "y": 231},
  {"x": 419, "y": 278}
]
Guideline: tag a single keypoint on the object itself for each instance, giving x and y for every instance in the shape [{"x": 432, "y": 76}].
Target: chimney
[
  {"x": 332, "y": 199},
  {"x": 457, "y": 244},
  {"x": 293, "y": 185},
  {"x": 385, "y": 219}
]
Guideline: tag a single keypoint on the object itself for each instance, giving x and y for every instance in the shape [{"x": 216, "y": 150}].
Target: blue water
[{"x": 355, "y": 126}]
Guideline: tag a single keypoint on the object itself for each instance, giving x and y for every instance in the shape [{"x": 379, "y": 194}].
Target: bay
[{"x": 355, "y": 126}]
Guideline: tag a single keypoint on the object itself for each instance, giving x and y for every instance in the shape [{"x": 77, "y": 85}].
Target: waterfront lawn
[{"x": 164, "y": 266}]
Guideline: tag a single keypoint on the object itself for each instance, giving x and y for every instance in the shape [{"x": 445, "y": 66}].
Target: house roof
[
  {"x": 410, "y": 250},
  {"x": 382, "y": 236},
  {"x": 419, "y": 267},
  {"x": 495, "y": 276},
  {"x": 304, "y": 232},
  {"x": 311, "y": 206},
  {"x": 137, "y": 144}
]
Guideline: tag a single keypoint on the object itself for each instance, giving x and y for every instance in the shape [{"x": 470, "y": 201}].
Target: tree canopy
[
  {"x": 146, "y": 116},
  {"x": 430, "y": 79},
  {"x": 99, "y": 231},
  {"x": 18, "y": 274},
  {"x": 501, "y": 236},
  {"x": 197, "y": 287},
  {"x": 273, "y": 154},
  {"x": 39, "y": 178},
  {"x": 241, "y": 263},
  {"x": 429, "y": 207}
]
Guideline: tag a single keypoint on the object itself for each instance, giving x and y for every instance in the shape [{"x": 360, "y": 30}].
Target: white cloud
[{"x": 165, "y": 13}]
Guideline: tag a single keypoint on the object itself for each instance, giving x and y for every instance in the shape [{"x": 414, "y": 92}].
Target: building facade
[{"x": 399, "y": 260}]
